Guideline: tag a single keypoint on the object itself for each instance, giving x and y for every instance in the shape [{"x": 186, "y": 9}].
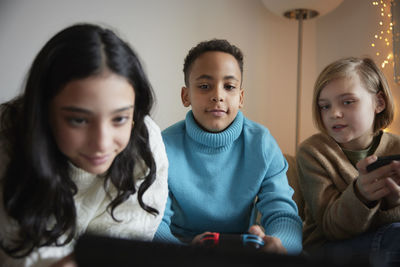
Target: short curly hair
[{"x": 220, "y": 45}]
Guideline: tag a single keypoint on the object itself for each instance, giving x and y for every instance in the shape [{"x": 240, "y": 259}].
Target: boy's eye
[
  {"x": 204, "y": 86},
  {"x": 77, "y": 121}
]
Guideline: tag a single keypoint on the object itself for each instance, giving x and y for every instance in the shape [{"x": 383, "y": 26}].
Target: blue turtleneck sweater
[{"x": 214, "y": 179}]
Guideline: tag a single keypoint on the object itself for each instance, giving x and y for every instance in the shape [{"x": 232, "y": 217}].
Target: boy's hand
[
  {"x": 272, "y": 244},
  {"x": 378, "y": 184},
  {"x": 197, "y": 239}
]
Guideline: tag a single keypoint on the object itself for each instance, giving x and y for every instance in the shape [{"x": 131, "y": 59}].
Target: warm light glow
[{"x": 384, "y": 33}]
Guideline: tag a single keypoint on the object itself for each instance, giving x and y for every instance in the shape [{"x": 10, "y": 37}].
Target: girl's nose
[
  {"x": 100, "y": 138},
  {"x": 336, "y": 112}
]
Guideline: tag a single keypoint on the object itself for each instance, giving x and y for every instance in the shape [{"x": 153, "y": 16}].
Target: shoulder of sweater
[
  {"x": 254, "y": 127},
  {"x": 259, "y": 136},
  {"x": 155, "y": 139},
  {"x": 176, "y": 128},
  {"x": 389, "y": 144},
  {"x": 154, "y": 130},
  {"x": 318, "y": 145},
  {"x": 318, "y": 140},
  {"x": 151, "y": 125},
  {"x": 391, "y": 137}
]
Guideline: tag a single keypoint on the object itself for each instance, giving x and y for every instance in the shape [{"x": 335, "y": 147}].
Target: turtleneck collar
[{"x": 214, "y": 140}]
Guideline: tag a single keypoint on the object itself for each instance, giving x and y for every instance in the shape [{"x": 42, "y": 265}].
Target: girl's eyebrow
[
  {"x": 339, "y": 96},
  {"x": 86, "y": 111}
]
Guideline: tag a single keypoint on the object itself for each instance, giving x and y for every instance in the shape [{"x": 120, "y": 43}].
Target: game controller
[
  {"x": 232, "y": 240},
  {"x": 381, "y": 161}
]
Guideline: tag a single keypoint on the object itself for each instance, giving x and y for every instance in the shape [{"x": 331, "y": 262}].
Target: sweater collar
[
  {"x": 215, "y": 140},
  {"x": 83, "y": 179}
]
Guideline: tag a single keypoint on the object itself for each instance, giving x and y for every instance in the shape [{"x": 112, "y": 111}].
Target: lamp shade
[{"x": 280, "y": 7}]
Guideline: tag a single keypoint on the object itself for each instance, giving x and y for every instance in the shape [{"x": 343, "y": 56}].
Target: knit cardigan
[
  {"x": 91, "y": 203},
  {"x": 214, "y": 179},
  {"x": 327, "y": 179}
]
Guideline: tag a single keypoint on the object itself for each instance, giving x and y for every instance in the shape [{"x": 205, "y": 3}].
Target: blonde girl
[{"x": 348, "y": 208}]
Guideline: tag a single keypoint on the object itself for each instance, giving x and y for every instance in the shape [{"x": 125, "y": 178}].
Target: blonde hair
[{"x": 370, "y": 76}]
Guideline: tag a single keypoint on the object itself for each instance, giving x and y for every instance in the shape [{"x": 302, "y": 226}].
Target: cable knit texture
[
  {"x": 91, "y": 202},
  {"x": 214, "y": 179},
  {"x": 327, "y": 177}
]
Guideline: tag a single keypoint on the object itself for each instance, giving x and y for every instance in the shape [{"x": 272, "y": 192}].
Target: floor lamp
[{"x": 300, "y": 10}]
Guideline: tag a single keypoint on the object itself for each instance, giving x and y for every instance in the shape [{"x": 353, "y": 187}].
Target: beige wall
[
  {"x": 349, "y": 31},
  {"x": 162, "y": 31}
]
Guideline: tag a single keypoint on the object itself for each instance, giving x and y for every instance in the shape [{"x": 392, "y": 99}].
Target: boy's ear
[
  {"x": 241, "y": 98},
  {"x": 380, "y": 103},
  {"x": 185, "y": 96}
]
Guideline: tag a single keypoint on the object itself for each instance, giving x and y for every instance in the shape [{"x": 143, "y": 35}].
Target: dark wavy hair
[
  {"x": 214, "y": 45},
  {"x": 37, "y": 189}
]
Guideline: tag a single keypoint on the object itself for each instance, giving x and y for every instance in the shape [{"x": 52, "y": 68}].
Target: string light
[{"x": 383, "y": 37}]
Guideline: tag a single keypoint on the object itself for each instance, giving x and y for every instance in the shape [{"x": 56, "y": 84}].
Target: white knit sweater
[{"x": 91, "y": 202}]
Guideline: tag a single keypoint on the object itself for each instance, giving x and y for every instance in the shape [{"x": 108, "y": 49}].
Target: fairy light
[{"x": 383, "y": 37}]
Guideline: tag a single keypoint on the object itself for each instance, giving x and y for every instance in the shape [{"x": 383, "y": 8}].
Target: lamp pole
[{"x": 299, "y": 15}]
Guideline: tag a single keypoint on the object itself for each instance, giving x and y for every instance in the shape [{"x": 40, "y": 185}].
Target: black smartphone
[{"x": 381, "y": 161}]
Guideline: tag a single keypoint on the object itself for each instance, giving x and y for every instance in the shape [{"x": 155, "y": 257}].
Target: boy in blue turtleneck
[{"x": 220, "y": 161}]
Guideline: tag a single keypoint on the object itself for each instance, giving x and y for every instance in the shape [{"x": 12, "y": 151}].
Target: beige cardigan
[{"x": 326, "y": 178}]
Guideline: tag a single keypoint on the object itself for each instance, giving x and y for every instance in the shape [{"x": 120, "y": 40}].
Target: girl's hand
[
  {"x": 393, "y": 198},
  {"x": 378, "y": 184},
  {"x": 272, "y": 244},
  {"x": 67, "y": 261}
]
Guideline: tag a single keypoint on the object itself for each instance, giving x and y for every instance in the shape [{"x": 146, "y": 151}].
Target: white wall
[{"x": 162, "y": 31}]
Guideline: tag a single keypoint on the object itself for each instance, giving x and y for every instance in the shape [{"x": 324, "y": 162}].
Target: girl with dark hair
[{"x": 78, "y": 150}]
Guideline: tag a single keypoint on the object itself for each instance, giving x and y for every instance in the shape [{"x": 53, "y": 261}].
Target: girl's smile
[{"x": 96, "y": 160}]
